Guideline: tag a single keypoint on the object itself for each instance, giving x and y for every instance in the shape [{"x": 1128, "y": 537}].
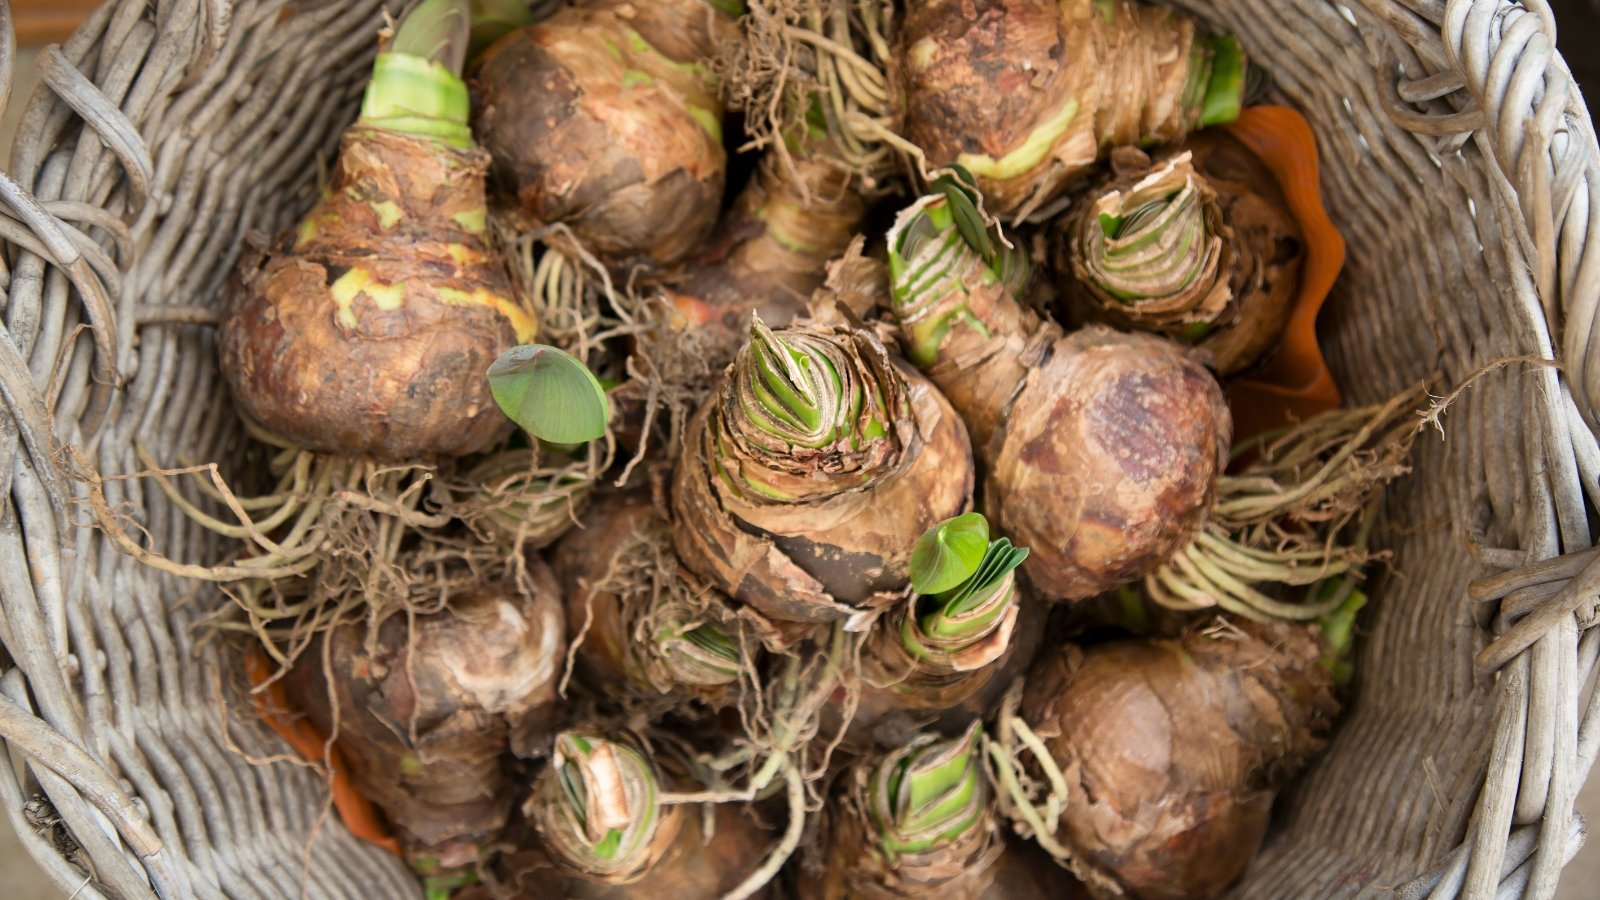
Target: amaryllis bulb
[
  {"x": 1028, "y": 94},
  {"x": 597, "y": 806},
  {"x": 1154, "y": 253},
  {"x": 805, "y": 481}
]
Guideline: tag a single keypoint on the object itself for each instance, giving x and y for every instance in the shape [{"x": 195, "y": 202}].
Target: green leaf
[
  {"x": 999, "y": 558},
  {"x": 963, "y": 203},
  {"x": 949, "y": 553},
  {"x": 437, "y": 31},
  {"x": 1225, "y": 93},
  {"x": 550, "y": 394},
  {"x": 609, "y": 845}
]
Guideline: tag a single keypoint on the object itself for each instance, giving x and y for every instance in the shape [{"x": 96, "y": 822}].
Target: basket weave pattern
[{"x": 1457, "y": 157}]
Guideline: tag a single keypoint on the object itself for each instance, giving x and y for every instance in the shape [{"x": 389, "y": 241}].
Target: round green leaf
[
  {"x": 548, "y": 392},
  {"x": 949, "y": 553}
]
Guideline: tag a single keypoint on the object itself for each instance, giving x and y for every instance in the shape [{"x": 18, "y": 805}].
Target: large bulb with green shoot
[
  {"x": 1155, "y": 247},
  {"x": 366, "y": 329},
  {"x": 605, "y": 118},
  {"x": 1028, "y": 94},
  {"x": 1102, "y": 449},
  {"x": 807, "y": 478},
  {"x": 598, "y": 808},
  {"x": 1198, "y": 247}
]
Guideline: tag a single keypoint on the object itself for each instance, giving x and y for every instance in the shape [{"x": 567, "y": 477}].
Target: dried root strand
[
  {"x": 1295, "y": 516},
  {"x": 825, "y": 56},
  {"x": 1035, "y": 809}
]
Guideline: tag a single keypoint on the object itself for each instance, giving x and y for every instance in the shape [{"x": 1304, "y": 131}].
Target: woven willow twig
[{"x": 1457, "y": 157}]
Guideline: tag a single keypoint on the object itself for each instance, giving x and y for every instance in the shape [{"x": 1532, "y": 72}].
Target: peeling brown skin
[
  {"x": 589, "y": 129},
  {"x": 980, "y": 76},
  {"x": 1173, "y": 750},
  {"x": 395, "y": 384},
  {"x": 689, "y": 867},
  {"x": 1109, "y": 461},
  {"x": 821, "y": 560},
  {"x": 428, "y": 720},
  {"x": 1269, "y": 250},
  {"x": 771, "y": 252}
]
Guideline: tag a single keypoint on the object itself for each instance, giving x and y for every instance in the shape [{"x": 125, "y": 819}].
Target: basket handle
[{"x": 1495, "y": 64}]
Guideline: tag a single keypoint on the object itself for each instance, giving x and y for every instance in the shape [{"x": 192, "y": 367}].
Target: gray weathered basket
[{"x": 1458, "y": 159}]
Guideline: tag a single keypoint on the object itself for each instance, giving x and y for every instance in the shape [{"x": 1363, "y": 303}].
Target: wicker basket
[{"x": 1458, "y": 158}]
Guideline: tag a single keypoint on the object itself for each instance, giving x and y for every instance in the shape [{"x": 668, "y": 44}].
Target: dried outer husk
[
  {"x": 366, "y": 330},
  {"x": 1102, "y": 449},
  {"x": 916, "y": 821},
  {"x": 1172, "y": 750},
  {"x": 703, "y": 860},
  {"x": 428, "y": 709},
  {"x": 522, "y": 498},
  {"x": 805, "y": 481},
  {"x": 1204, "y": 251},
  {"x": 1028, "y": 94},
  {"x": 771, "y": 251},
  {"x": 1269, "y": 250},
  {"x": 605, "y": 118},
  {"x": 637, "y": 620}
]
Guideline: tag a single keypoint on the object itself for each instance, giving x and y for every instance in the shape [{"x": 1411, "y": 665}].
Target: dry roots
[{"x": 1293, "y": 516}]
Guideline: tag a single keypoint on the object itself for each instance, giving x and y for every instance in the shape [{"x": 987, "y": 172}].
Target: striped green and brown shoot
[
  {"x": 915, "y": 821},
  {"x": 598, "y": 808},
  {"x": 954, "y": 285},
  {"x": 807, "y": 478},
  {"x": 1200, "y": 247},
  {"x": 1154, "y": 253}
]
